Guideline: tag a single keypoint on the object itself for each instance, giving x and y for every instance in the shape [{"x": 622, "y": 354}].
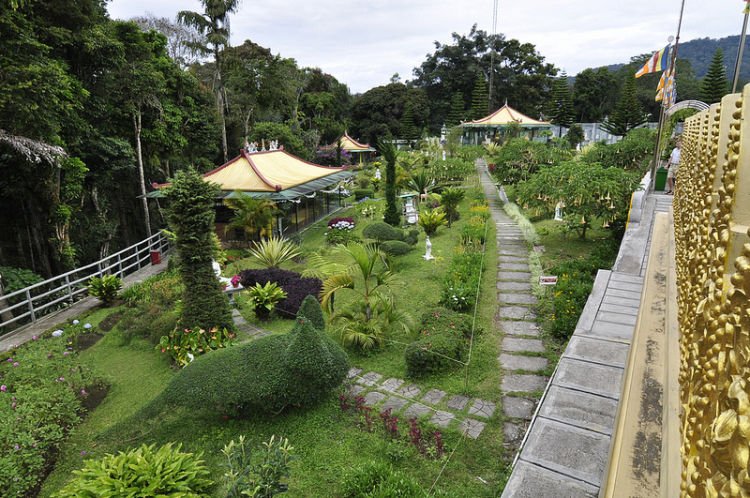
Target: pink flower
[
  {"x": 3, "y": 388},
  {"x": 235, "y": 281},
  {"x": 34, "y": 338},
  {"x": 66, "y": 353},
  {"x": 61, "y": 379},
  {"x": 15, "y": 363}
]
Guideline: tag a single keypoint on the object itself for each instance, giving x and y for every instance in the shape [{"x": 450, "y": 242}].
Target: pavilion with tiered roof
[
  {"x": 359, "y": 151},
  {"x": 487, "y": 128}
]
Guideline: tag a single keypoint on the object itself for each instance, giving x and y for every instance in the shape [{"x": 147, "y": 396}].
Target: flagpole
[
  {"x": 663, "y": 111},
  {"x": 738, "y": 62}
]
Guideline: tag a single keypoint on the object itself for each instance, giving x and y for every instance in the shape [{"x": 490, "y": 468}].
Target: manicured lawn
[{"x": 328, "y": 443}]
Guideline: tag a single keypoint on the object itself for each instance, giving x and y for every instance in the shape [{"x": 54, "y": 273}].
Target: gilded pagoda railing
[{"x": 711, "y": 215}]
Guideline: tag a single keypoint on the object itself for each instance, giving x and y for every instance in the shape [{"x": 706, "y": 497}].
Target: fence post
[
  {"x": 70, "y": 291},
  {"x": 31, "y": 305},
  {"x": 119, "y": 266}
]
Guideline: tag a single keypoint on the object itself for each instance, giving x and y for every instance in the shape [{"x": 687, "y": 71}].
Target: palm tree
[
  {"x": 422, "y": 182},
  {"x": 254, "y": 216},
  {"x": 214, "y": 24},
  {"x": 450, "y": 199}
]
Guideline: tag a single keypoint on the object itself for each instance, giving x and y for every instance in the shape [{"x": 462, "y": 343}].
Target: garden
[{"x": 155, "y": 378}]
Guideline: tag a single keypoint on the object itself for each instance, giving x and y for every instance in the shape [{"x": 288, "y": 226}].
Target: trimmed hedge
[
  {"x": 395, "y": 247},
  {"x": 362, "y": 193},
  {"x": 382, "y": 231},
  {"x": 267, "y": 375},
  {"x": 297, "y": 288},
  {"x": 442, "y": 339}
]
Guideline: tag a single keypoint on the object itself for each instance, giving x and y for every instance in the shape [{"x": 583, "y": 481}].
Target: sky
[{"x": 363, "y": 44}]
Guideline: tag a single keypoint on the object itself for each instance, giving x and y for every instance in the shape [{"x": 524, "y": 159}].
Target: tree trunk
[
  {"x": 139, "y": 153},
  {"x": 5, "y": 315}
]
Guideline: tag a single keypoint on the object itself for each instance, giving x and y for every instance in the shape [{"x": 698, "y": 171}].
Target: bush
[
  {"x": 441, "y": 343},
  {"x": 14, "y": 279},
  {"x": 267, "y": 375},
  {"x": 149, "y": 322},
  {"x": 432, "y": 219},
  {"x": 273, "y": 251},
  {"x": 260, "y": 479},
  {"x": 311, "y": 310},
  {"x": 379, "y": 480},
  {"x": 382, "y": 231},
  {"x": 105, "y": 288},
  {"x": 462, "y": 281},
  {"x": 473, "y": 233},
  {"x": 363, "y": 193},
  {"x": 144, "y": 471},
  {"x": 264, "y": 298},
  {"x": 395, "y": 247},
  {"x": 42, "y": 385},
  {"x": 412, "y": 237},
  {"x": 340, "y": 231},
  {"x": 183, "y": 345}
]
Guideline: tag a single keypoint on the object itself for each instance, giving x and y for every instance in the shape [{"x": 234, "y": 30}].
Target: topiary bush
[
  {"x": 442, "y": 342},
  {"x": 145, "y": 471},
  {"x": 267, "y": 375},
  {"x": 395, "y": 247},
  {"x": 382, "y": 231},
  {"x": 311, "y": 310}
]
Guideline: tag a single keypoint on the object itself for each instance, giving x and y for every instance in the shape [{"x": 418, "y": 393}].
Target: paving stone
[
  {"x": 625, "y": 277},
  {"x": 514, "y": 276},
  {"x": 457, "y": 402},
  {"x": 589, "y": 377},
  {"x": 473, "y": 428},
  {"x": 522, "y": 383},
  {"x": 356, "y": 389},
  {"x": 513, "y": 286},
  {"x": 369, "y": 379},
  {"x": 613, "y": 331},
  {"x": 569, "y": 450},
  {"x": 515, "y": 313},
  {"x": 517, "y": 344},
  {"x": 482, "y": 408},
  {"x": 442, "y": 419},
  {"x": 395, "y": 403},
  {"x": 433, "y": 396},
  {"x": 353, "y": 372},
  {"x": 513, "y": 259},
  {"x": 621, "y": 301},
  {"x": 532, "y": 481},
  {"x": 514, "y": 266},
  {"x": 236, "y": 313},
  {"x": 625, "y": 286},
  {"x": 511, "y": 298},
  {"x": 373, "y": 398},
  {"x": 513, "y": 434},
  {"x": 516, "y": 362},
  {"x": 597, "y": 351},
  {"x": 623, "y": 293},
  {"x": 391, "y": 384},
  {"x": 520, "y": 328},
  {"x": 584, "y": 410},
  {"x": 417, "y": 410},
  {"x": 515, "y": 407},
  {"x": 513, "y": 251},
  {"x": 619, "y": 318},
  {"x": 409, "y": 391}
]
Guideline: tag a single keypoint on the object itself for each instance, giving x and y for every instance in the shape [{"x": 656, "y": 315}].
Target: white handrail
[{"x": 67, "y": 286}]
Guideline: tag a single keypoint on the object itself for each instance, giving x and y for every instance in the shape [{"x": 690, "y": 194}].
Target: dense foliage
[
  {"x": 145, "y": 471},
  {"x": 442, "y": 340},
  {"x": 42, "y": 388},
  {"x": 296, "y": 287}
]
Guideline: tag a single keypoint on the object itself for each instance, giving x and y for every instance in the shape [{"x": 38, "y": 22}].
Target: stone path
[
  {"x": 521, "y": 345},
  {"x": 246, "y": 327},
  {"x": 443, "y": 410}
]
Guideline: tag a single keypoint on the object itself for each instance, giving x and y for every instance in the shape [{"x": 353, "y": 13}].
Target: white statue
[
  {"x": 428, "y": 250},
  {"x": 377, "y": 174},
  {"x": 443, "y": 155},
  {"x": 559, "y": 211}
]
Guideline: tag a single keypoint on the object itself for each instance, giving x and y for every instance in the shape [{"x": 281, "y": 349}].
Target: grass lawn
[{"x": 328, "y": 443}]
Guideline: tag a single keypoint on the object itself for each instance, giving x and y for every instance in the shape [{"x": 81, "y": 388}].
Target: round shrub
[
  {"x": 382, "y": 231},
  {"x": 441, "y": 343},
  {"x": 395, "y": 247},
  {"x": 141, "y": 472},
  {"x": 412, "y": 237}
]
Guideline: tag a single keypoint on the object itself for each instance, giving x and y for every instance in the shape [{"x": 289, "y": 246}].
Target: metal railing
[{"x": 31, "y": 303}]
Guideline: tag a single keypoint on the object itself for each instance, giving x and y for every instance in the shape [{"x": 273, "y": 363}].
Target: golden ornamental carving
[{"x": 712, "y": 216}]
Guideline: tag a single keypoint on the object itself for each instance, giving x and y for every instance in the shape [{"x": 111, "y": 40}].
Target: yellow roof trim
[{"x": 507, "y": 115}]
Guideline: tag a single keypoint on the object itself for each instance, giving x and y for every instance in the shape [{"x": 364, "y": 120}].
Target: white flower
[
  {"x": 57, "y": 333},
  {"x": 76, "y": 322},
  {"x": 87, "y": 326}
]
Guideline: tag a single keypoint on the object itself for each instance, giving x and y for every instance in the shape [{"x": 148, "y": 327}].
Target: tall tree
[
  {"x": 715, "y": 85},
  {"x": 213, "y": 23},
  {"x": 479, "y": 98},
  {"x": 181, "y": 39},
  {"x": 409, "y": 130},
  {"x": 594, "y": 94},
  {"x": 560, "y": 106},
  {"x": 378, "y": 111},
  {"x": 628, "y": 112},
  {"x": 457, "y": 112},
  {"x": 389, "y": 153},
  {"x": 520, "y": 74}
]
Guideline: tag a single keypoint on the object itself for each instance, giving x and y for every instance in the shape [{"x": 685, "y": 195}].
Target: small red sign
[{"x": 547, "y": 279}]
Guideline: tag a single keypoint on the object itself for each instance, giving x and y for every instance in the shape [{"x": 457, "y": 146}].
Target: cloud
[{"x": 364, "y": 43}]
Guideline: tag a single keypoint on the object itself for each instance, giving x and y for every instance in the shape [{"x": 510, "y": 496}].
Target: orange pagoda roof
[{"x": 504, "y": 116}]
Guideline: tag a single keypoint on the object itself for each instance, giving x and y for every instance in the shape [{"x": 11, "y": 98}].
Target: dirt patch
[
  {"x": 85, "y": 341},
  {"x": 96, "y": 395},
  {"x": 108, "y": 323}
]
